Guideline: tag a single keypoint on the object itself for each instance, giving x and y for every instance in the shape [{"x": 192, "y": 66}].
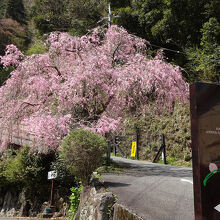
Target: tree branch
[{"x": 54, "y": 67}]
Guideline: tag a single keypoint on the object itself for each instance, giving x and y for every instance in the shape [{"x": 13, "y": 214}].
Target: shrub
[
  {"x": 37, "y": 48},
  {"x": 22, "y": 167},
  {"x": 75, "y": 199},
  {"x": 83, "y": 152},
  {"x": 64, "y": 177}
]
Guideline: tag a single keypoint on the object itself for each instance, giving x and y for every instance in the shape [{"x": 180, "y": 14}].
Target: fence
[{"x": 152, "y": 150}]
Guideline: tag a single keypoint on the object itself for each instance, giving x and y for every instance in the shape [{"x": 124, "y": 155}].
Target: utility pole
[{"x": 110, "y": 16}]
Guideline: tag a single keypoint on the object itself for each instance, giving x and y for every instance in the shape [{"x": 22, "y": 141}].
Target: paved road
[{"x": 153, "y": 191}]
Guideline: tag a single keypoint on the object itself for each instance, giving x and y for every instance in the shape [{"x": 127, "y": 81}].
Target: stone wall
[
  {"x": 95, "y": 204},
  {"x": 8, "y": 202},
  {"x": 123, "y": 213},
  {"x": 101, "y": 205},
  {"x": 19, "y": 202}
]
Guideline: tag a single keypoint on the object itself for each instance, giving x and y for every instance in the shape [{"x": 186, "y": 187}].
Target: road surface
[{"x": 153, "y": 191}]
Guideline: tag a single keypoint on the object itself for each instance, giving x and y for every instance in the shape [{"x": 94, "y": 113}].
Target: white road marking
[
  {"x": 185, "y": 180},
  {"x": 217, "y": 208}
]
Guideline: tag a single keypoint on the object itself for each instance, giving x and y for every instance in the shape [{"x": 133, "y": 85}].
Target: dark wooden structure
[{"x": 205, "y": 130}]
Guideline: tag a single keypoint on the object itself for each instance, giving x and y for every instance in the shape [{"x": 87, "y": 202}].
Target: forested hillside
[{"x": 187, "y": 30}]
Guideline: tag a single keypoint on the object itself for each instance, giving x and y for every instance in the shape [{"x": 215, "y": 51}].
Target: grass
[
  {"x": 170, "y": 161},
  {"x": 112, "y": 167},
  {"x": 174, "y": 162},
  {"x": 117, "y": 155}
]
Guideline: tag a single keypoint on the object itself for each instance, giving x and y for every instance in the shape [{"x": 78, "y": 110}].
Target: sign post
[
  {"x": 205, "y": 132},
  {"x": 51, "y": 176},
  {"x": 133, "y": 148}
]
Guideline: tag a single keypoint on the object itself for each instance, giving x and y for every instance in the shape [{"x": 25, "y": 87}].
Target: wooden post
[
  {"x": 51, "y": 193},
  {"x": 137, "y": 140},
  {"x": 114, "y": 146},
  {"x": 108, "y": 153}
]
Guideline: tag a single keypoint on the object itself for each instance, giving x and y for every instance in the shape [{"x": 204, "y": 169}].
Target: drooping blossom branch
[
  {"x": 89, "y": 81},
  {"x": 12, "y": 57}
]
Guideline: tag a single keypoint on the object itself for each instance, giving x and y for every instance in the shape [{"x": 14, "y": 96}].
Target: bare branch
[{"x": 54, "y": 67}]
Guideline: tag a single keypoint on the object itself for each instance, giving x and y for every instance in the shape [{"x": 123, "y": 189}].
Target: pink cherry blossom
[
  {"x": 12, "y": 56},
  {"x": 89, "y": 82}
]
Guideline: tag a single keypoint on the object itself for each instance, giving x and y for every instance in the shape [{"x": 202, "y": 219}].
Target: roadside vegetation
[{"x": 175, "y": 125}]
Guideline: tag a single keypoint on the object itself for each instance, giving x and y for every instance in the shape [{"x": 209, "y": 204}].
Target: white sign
[
  {"x": 52, "y": 175},
  {"x": 217, "y": 208}
]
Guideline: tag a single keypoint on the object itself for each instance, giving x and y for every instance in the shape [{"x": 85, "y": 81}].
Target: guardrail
[{"x": 161, "y": 151}]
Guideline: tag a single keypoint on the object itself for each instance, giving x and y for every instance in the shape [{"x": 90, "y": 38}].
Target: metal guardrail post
[
  {"x": 108, "y": 153},
  {"x": 162, "y": 151},
  {"x": 108, "y": 150},
  {"x": 116, "y": 140}
]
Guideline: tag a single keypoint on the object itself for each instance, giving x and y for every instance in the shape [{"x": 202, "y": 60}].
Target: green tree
[
  {"x": 49, "y": 16},
  {"x": 84, "y": 15},
  {"x": 83, "y": 151},
  {"x": 15, "y": 10},
  {"x": 212, "y": 9},
  {"x": 38, "y": 47},
  {"x": 2, "y": 8},
  {"x": 179, "y": 26},
  {"x": 204, "y": 61},
  {"x": 5, "y": 74},
  {"x": 67, "y": 15},
  {"x": 23, "y": 167}
]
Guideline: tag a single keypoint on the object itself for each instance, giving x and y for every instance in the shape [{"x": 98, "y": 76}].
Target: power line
[
  {"x": 164, "y": 48},
  {"x": 109, "y": 18}
]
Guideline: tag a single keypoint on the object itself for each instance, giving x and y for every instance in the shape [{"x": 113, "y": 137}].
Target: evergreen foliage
[
  {"x": 77, "y": 17},
  {"x": 5, "y": 74},
  {"x": 37, "y": 48},
  {"x": 23, "y": 168},
  {"x": 74, "y": 199},
  {"x": 27, "y": 173},
  {"x": 83, "y": 151},
  {"x": 16, "y": 11},
  {"x": 178, "y": 26},
  {"x": 205, "y": 60}
]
